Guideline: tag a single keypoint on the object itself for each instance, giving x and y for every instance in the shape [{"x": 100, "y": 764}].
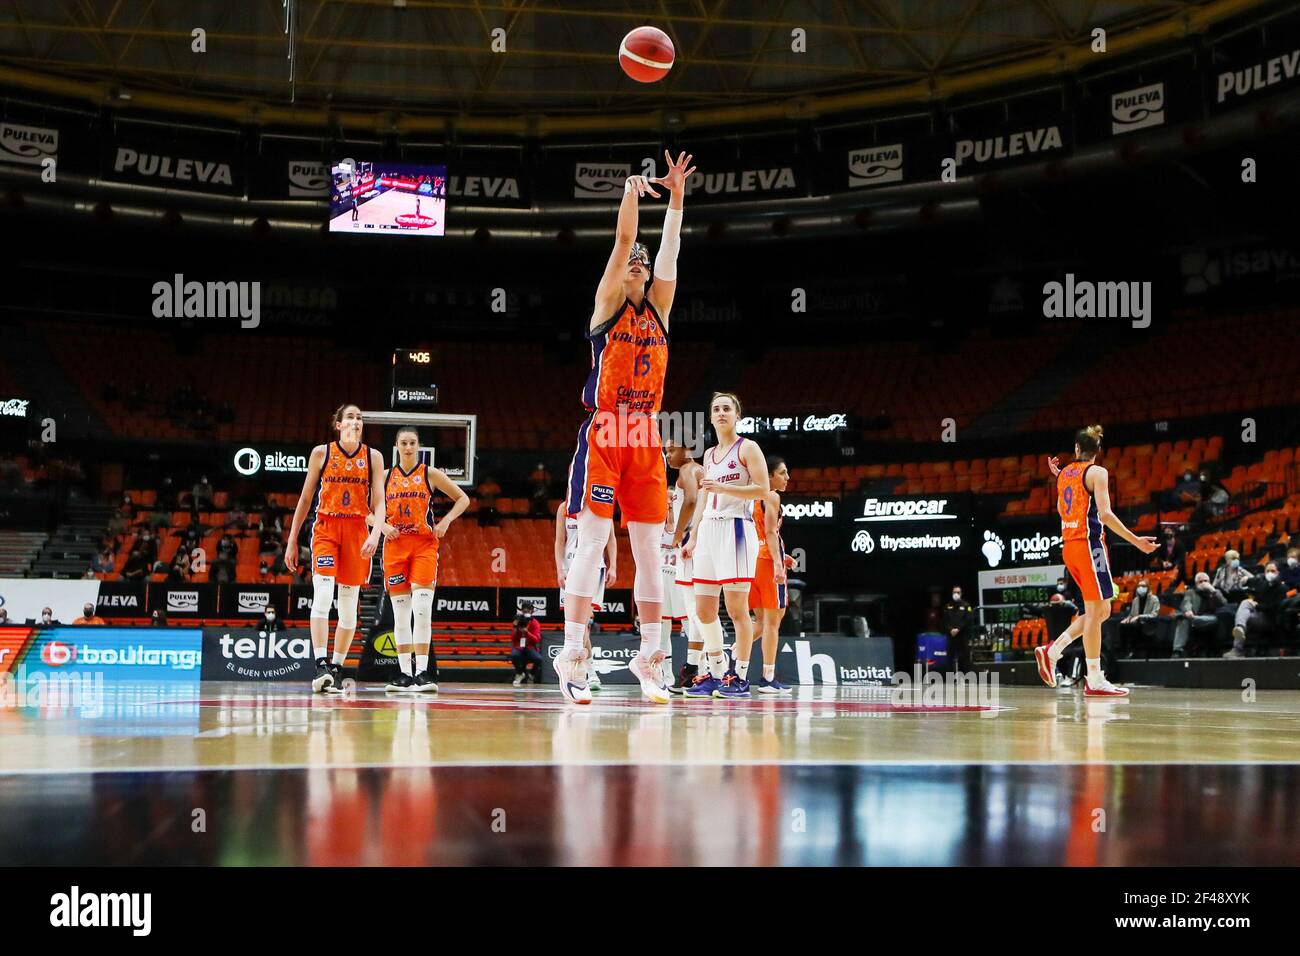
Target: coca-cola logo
[
  {"x": 16, "y": 407},
  {"x": 825, "y": 423}
]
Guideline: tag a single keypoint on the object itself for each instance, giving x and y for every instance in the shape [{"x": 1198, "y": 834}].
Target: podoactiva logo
[{"x": 57, "y": 654}]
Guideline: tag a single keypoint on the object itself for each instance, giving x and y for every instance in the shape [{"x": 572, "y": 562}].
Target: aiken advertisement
[
  {"x": 249, "y": 654},
  {"x": 121, "y": 654}
]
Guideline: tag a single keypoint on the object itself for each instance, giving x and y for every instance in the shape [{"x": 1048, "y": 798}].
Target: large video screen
[{"x": 388, "y": 199}]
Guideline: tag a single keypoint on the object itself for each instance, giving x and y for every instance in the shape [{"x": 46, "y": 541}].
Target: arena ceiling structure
[{"x": 419, "y": 65}]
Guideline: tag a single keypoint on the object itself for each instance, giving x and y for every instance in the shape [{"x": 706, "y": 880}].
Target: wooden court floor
[{"x": 491, "y": 774}]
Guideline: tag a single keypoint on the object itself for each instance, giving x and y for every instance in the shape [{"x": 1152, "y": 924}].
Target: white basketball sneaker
[
  {"x": 1103, "y": 688},
  {"x": 571, "y": 669},
  {"x": 651, "y": 676}
]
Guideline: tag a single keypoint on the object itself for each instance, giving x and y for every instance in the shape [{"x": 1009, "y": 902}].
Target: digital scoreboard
[{"x": 413, "y": 384}]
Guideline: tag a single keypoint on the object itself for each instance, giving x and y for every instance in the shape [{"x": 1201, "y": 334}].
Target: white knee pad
[
  {"x": 322, "y": 596},
  {"x": 712, "y": 636},
  {"x": 401, "y": 618},
  {"x": 584, "y": 571},
  {"x": 423, "y": 603},
  {"x": 646, "y": 555},
  {"x": 349, "y": 595}
]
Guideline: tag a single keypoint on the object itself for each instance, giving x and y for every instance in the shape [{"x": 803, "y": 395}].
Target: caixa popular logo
[
  {"x": 253, "y": 602},
  {"x": 599, "y": 180},
  {"x": 57, "y": 654},
  {"x": 183, "y": 602}
]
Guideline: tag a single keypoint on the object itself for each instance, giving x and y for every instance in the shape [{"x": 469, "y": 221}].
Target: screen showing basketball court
[{"x": 388, "y": 199}]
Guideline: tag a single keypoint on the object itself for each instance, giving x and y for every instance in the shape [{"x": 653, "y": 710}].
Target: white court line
[{"x": 726, "y": 762}]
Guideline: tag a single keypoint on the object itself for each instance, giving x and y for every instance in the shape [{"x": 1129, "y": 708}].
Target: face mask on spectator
[
  {"x": 1187, "y": 476},
  {"x": 1234, "y": 563},
  {"x": 1142, "y": 592},
  {"x": 956, "y": 595},
  {"x": 1292, "y": 562},
  {"x": 1060, "y": 587},
  {"x": 1202, "y": 582},
  {"x": 270, "y": 615},
  {"x": 1271, "y": 576},
  {"x": 46, "y": 617}
]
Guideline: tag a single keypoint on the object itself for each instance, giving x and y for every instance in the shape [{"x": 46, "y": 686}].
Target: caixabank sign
[{"x": 247, "y": 653}]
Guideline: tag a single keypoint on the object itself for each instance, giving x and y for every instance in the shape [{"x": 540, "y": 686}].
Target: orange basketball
[{"x": 646, "y": 54}]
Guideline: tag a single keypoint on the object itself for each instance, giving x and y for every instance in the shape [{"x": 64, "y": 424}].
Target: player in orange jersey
[
  {"x": 411, "y": 555},
  {"x": 342, "y": 477},
  {"x": 1083, "y": 502},
  {"x": 767, "y": 595},
  {"x": 619, "y": 457}
]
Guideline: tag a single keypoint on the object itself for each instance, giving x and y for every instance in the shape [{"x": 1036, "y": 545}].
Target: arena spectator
[
  {"x": 1291, "y": 582},
  {"x": 237, "y": 519},
  {"x": 222, "y": 570},
  {"x": 45, "y": 620},
  {"x": 4, "y": 616},
  {"x": 1187, "y": 491},
  {"x": 958, "y": 622},
  {"x": 1138, "y": 622},
  {"x": 201, "y": 495},
  {"x": 179, "y": 572},
  {"x": 269, "y": 624},
  {"x": 137, "y": 565},
  {"x": 1169, "y": 556},
  {"x": 158, "y": 618},
  {"x": 88, "y": 616},
  {"x": 525, "y": 647},
  {"x": 1197, "y": 611},
  {"x": 1231, "y": 578},
  {"x": 488, "y": 491},
  {"x": 1260, "y": 610},
  {"x": 102, "y": 562},
  {"x": 168, "y": 499},
  {"x": 1214, "y": 497}
]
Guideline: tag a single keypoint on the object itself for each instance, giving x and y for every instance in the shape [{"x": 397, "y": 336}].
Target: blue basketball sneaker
[
  {"x": 703, "y": 686},
  {"x": 772, "y": 686},
  {"x": 732, "y": 687}
]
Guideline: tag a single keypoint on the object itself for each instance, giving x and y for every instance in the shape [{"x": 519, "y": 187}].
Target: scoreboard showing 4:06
[{"x": 414, "y": 385}]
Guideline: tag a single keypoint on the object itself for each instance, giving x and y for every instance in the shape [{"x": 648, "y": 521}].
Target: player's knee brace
[
  {"x": 422, "y": 601},
  {"x": 401, "y": 618},
  {"x": 322, "y": 596},
  {"x": 349, "y": 595},
  {"x": 584, "y": 571},
  {"x": 649, "y": 584},
  {"x": 712, "y": 635}
]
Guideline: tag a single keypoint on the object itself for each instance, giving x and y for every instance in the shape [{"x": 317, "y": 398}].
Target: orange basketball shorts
[
  {"x": 410, "y": 560},
  {"x": 1088, "y": 562},
  {"x": 336, "y": 549},
  {"x": 619, "y": 458},
  {"x": 764, "y": 592}
]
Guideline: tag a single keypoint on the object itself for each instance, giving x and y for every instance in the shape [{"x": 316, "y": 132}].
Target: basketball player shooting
[{"x": 619, "y": 457}]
